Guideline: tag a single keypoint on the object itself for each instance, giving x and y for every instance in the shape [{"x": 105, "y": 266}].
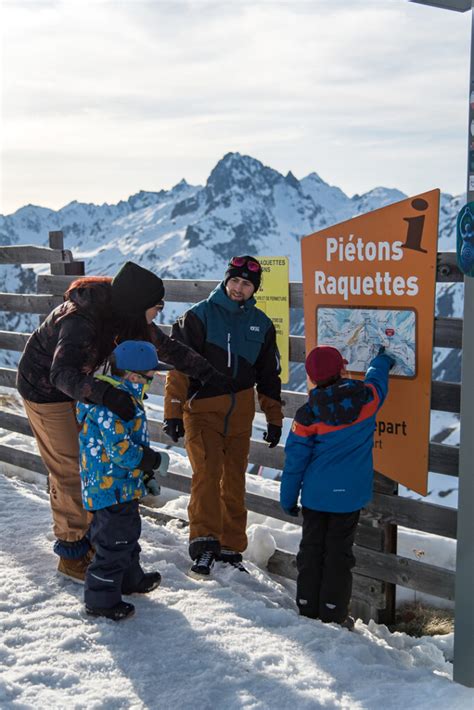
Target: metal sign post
[{"x": 464, "y": 599}]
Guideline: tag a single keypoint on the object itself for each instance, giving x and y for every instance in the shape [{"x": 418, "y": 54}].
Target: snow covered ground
[{"x": 234, "y": 642}]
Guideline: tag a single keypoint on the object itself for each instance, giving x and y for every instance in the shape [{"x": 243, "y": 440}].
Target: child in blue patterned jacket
[
  {"x": 117, "y": 469},
  {"x": 328, "y": 459}
]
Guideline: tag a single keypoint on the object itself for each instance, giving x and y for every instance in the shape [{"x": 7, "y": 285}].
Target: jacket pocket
[{"x": 254, "y": 340}]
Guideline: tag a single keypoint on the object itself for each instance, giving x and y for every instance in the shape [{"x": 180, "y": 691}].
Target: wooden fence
[{"x": 378, "y": 567}]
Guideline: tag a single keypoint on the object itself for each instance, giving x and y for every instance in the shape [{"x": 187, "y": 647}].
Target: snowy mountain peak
[{"x": 240, "y": 173}]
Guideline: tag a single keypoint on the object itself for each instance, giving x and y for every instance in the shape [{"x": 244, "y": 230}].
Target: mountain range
[{"x": 191, "y": 231}]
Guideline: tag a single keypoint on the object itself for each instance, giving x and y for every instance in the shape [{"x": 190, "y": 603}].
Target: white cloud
[{"x": 102, "y": 98}]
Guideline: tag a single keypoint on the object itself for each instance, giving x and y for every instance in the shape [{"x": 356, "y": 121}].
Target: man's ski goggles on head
[{"x": 240, "y": 261}]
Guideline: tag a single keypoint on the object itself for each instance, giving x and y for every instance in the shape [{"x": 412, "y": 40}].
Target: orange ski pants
[{"x": 217, "y": 441}]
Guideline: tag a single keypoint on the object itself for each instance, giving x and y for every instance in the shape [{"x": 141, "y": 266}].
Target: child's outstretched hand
[
  {"x": 382, "y": 351},
  {"x": 151, "y": 485}
]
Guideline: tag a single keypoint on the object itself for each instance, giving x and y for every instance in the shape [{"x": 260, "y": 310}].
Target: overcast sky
[{"x": 102, "y": 98}]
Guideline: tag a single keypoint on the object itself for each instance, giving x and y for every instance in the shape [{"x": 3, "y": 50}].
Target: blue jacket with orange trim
[{"x": 328, "y": 453}]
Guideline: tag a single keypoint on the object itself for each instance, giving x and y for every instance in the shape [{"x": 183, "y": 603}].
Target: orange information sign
[{"x": 369, "y": 282}]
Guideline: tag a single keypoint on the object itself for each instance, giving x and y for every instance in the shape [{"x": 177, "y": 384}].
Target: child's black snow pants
[
  {"x": 114, "y": 534},
  {"x": 324, "y": 561}
]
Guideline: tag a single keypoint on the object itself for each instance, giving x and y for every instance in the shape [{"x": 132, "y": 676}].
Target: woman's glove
[{"x": 119, "y": 402}]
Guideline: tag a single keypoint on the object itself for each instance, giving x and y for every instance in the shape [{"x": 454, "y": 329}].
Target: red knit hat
[{"x": 324, "y": 362}]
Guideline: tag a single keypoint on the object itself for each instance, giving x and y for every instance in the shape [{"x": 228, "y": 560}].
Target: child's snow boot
[
  {"x": 118, "y": 612},
  {"x": 149, "y": 582}
]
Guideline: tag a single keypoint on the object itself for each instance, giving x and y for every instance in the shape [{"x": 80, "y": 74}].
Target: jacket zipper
[{"x": 232, "y": 396}]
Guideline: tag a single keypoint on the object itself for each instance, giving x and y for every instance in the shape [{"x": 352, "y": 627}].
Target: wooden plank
[
  {"x": 385, "y": 567},
  {"x": 370, "y": 590},
  {"x": 193, "y": 290},
  {"x": 28, "y": 303},
  {"x": 445, "y": 396},
  {"x": 413, "y": 514},
  {"x": 23, "y": 459},
  {"x": 15, "y": 422},
  {"x": 29, "y": 254},
  {"x": 396, "y": 510},
  {"x": 74, "y": 268},
  {"x": 13, "y": 341},
  {"x": 442, "y": 458},
  {"x": 7, "y": 377},
  {"x": 448, "y": 333}
]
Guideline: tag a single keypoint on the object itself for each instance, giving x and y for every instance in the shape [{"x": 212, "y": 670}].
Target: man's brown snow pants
[{"x": 218, "y": 431}]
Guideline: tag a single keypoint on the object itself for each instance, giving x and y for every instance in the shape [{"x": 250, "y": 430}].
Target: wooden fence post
[
  {"x": 386, "y": 541},
  {"x": 66, "y": 267}
]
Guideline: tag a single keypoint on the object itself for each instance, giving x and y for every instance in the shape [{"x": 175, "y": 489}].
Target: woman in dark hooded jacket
[{"x": 56, "y": 370}]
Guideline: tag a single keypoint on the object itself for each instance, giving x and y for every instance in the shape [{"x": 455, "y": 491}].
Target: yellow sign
[
  {"x": 369, "y": 282},
  {"x": 273, "y": 298}
]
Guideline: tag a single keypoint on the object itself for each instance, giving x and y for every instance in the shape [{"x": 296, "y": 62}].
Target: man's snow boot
[
  {"x": 232, "y": 558},
  {"x": 149, "y": 582},
  {"x": 118, "y": 612},
  {"x": 203, "y": 565}
]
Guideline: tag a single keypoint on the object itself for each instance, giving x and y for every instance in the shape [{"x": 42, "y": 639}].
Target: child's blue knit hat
[{"x": 136, "y": 356}]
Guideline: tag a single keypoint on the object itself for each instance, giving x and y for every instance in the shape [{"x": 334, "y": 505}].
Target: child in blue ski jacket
[
  {"x": 328, "y": 460},
  {"x": 117, "y": 467}
]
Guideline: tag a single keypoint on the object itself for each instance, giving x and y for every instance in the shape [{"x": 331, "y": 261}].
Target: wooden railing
[{"x": 378, "y": 568}]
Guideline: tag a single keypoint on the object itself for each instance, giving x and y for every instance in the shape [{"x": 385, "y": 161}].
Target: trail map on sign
[{"x": 359, "y": 332}]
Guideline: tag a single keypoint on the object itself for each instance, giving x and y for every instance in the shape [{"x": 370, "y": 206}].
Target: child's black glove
[
  {"x": 151, "y": 485},
  {"x": 119, "y": 402},
  {"x": 272, "y": 435},
  {"x": 174, "y": 428},
  {"x": 151, "y": 459}
]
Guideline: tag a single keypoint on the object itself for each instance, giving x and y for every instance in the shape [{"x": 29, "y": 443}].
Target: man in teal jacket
[{"x": 239, "y": 340}]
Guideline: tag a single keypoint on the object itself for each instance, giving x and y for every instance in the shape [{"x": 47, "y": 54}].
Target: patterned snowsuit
[{"x": 111, "y": 451}]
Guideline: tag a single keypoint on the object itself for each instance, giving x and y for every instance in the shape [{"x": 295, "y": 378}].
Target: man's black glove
[
  {"x": 294, "y": 511},
  {"x": 119, "y": 402},
  {"x": 272, "y": 435},
  {"x": 174, "y": 428},
  {"x": 151, "y": 459}
]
